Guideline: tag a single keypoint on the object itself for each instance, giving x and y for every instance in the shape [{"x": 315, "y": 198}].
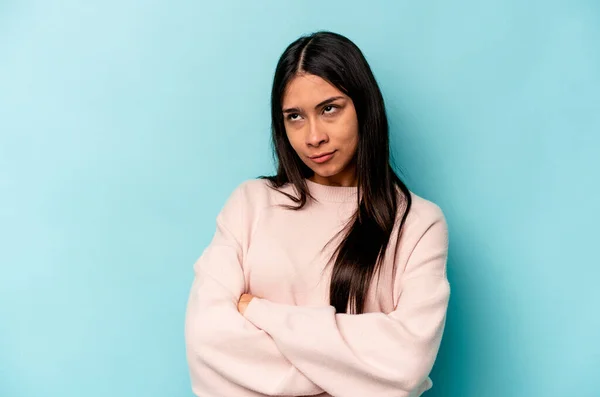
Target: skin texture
[
  {"x": 319, "y": 119},
  {"x": 244, "y": 301},
  {"x": 314, "y": 128}
]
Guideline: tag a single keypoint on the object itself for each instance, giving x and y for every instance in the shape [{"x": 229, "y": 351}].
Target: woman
[{"x": 328, "y": 278}]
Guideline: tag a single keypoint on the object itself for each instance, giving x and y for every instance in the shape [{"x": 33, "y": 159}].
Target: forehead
[{"x": 307, "y": 90}]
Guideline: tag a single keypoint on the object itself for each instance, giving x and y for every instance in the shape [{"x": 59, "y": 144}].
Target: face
[{"x": 322, "y": 127}]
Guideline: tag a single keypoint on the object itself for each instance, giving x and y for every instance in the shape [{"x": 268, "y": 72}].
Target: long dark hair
[{"x": 358, "y": 257}]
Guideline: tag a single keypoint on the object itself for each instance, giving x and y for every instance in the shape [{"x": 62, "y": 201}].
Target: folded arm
[
  {"x": 219, "y": 340},
  {"x": 373, "y": 353}
]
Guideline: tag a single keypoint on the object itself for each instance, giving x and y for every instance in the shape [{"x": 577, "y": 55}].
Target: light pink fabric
[{"x": 290, "y": 342}]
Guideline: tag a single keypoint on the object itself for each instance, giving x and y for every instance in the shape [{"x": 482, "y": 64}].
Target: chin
[{"x": 326, "y": 172}]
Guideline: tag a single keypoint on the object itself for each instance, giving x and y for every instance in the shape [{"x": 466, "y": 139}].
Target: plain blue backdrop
[{"x": 124, "y": 125}]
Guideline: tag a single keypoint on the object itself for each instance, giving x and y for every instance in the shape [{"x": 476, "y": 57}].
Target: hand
[{"x": 244, "y": 302}]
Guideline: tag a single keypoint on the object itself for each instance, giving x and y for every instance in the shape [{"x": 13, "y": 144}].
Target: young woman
[{"x": 328, "y": 278}]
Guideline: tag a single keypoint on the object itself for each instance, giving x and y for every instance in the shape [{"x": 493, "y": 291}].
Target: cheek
[
  {"x": 351, "y": 147},
  {"x": 348, "y": 135}
]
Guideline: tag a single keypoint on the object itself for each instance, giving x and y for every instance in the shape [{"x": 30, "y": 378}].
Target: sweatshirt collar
[{"x": 336, "y": 194}]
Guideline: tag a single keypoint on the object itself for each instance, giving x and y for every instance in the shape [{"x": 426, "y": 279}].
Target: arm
[
  {"x": 219, "y": 340},
  {"x": 370, "y": 354}
]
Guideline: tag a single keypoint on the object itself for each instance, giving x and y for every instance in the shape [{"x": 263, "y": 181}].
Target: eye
[
  {"x": 329, "y": 109},
  {"x": 293, "y": 116}
]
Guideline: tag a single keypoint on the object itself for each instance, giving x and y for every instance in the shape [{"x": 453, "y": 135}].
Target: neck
[{"x": 347, "y": 179}]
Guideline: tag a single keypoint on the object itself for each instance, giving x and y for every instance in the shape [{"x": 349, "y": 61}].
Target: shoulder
[
  {"x": 254, "y": 195},
  {"x": 245, "y": 202},
  {"x": 422, "y": 244},
  {"x": 253, "y": 190},
  {"x": 252, "y": 186},
  {"x": 425, "y": 211},
  {"x": 424, "y": 217}
]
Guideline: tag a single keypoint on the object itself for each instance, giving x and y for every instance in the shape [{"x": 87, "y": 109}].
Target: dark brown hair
[{"x": 339, "y": 61}]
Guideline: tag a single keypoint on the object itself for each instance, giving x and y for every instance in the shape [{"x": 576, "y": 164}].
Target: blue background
[{"x": 124, "y": 125}]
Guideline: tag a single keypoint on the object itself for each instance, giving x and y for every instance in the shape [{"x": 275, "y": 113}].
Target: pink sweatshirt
[{"x": 290, "y": 341}]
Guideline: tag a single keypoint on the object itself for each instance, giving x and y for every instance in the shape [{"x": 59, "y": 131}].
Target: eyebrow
[{"x": 323, "y": 103}]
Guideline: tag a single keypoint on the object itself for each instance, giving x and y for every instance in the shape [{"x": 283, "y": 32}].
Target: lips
[{"x": 322, "y": 157}]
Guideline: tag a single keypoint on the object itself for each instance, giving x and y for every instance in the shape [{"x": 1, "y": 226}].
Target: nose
[{"x": 316, "y": 135}]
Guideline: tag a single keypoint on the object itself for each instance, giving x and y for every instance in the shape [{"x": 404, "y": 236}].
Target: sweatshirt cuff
[
  {"x": 274, "y": 317},
  {"x": 260, "y": 313}
]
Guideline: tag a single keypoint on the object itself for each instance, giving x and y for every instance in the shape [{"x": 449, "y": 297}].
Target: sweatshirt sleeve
[
  {"x": 371, "y": 354},
  {"x": 220, "y": 343}
]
